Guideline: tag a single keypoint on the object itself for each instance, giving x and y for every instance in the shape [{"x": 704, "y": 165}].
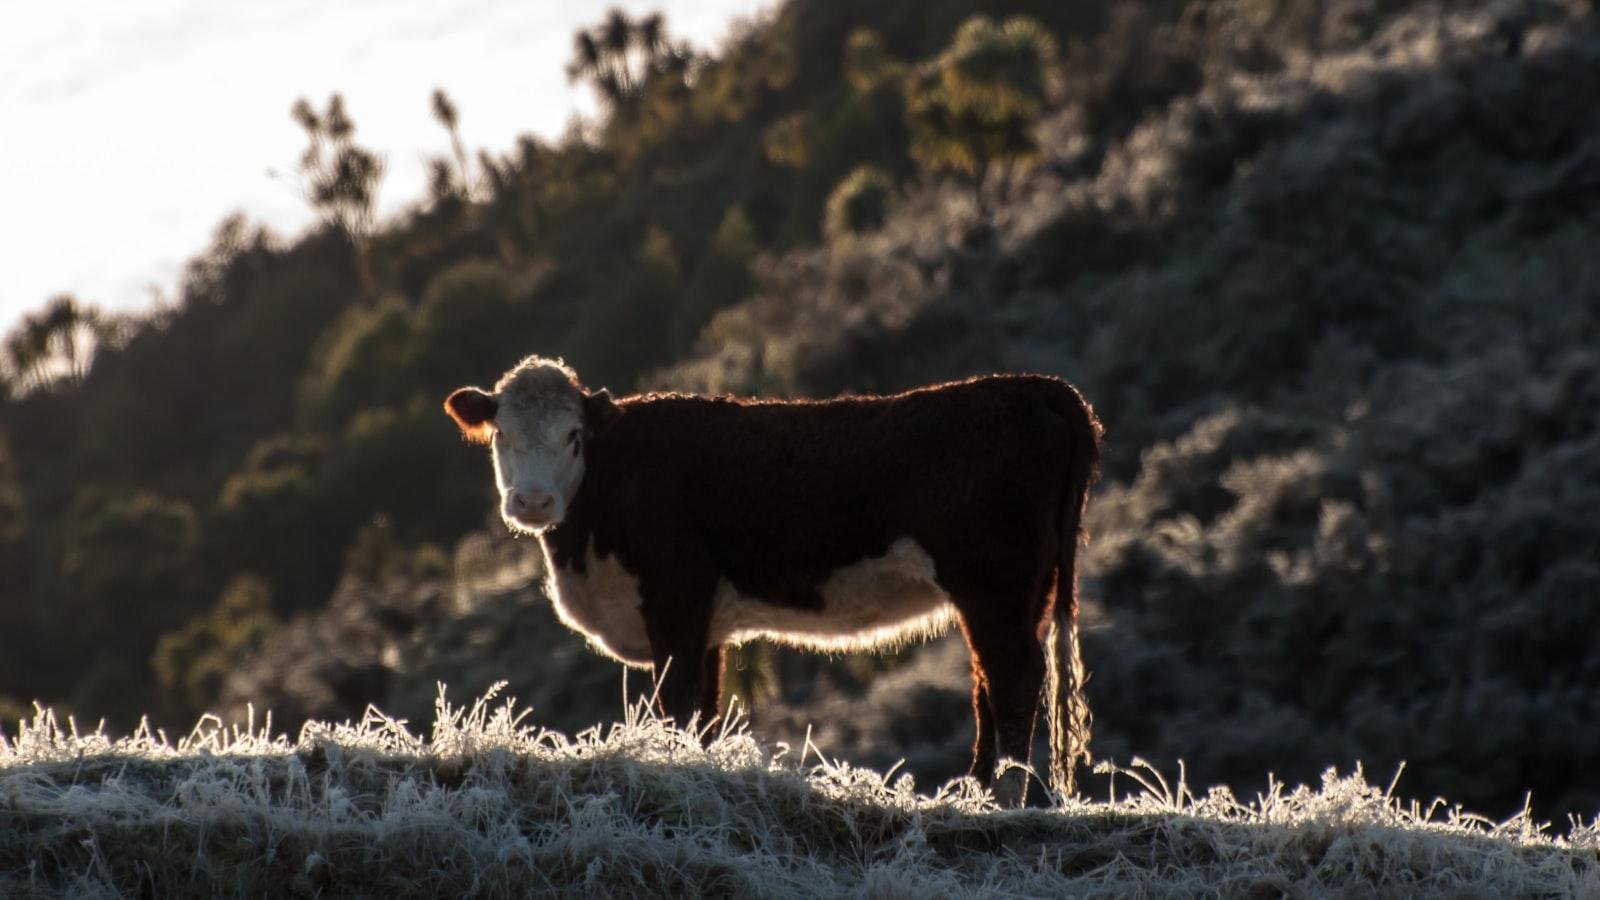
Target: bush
[
  {"x": 113, "y": 693},
  {"x": 406, "y": 463},
  {"x": 271, "y": 516},
  {"x": 468, "y": 322},
  {"x": 860, "y": 204},
  {"x": 358, "y": 363},
  {"x": 974, "y": 107},
  {"x": 625, "y": 328},
  {"x": 125, "y": 553},
  {"x": 720, "y": 278},
  {"x": 192, "y": 662},
  {"x": 867, "y": 64}
]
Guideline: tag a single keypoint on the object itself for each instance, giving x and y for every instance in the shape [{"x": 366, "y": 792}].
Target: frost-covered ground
[{"x": 489, "y": 806}]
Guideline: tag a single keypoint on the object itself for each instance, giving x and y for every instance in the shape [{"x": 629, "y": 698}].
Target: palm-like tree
[
  {"x": 70, "y": 331},
  {"x": 445, "y": 113},
  {"x": 973, "y": 108},
  {"x": 27, "y": 353},
  {"x": 56, "y": 343},
  {"x": 620, "y": 56},
  {"x": 341, "y": 177}
]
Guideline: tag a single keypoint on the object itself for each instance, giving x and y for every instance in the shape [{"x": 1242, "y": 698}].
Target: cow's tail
[{"x": 1068, "y": 709}]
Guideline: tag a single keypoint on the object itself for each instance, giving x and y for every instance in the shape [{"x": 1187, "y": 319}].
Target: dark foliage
[{"x": 1340, "y": 328}]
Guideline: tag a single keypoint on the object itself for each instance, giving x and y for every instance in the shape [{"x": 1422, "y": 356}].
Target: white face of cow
[
  {"x": 536, "y": 422},
  {"x": 538, "y": 465}
]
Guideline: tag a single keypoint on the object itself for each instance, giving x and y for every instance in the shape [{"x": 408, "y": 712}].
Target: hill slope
[
  {"x": 1339, "y": 314},
  {"x": 1334, "y": 299},
  {"x": 1325, "y": 269},
  {"x": 489, "y": 807}
]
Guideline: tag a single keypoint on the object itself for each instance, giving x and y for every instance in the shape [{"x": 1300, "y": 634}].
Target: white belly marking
[
  {"x": 887, "y": 600},
  {"x": 602, "y": 604}
]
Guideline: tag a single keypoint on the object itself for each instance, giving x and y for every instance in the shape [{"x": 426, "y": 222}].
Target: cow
[{"x": 675, "y": 525}]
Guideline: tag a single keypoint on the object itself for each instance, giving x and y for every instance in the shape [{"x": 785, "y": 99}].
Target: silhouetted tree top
[
  {"x": 973, "y": 107},
  {"x": 341, "y": 177},
  {"x": 621, "y": 55},
  {"x": 56, "y": 344}
]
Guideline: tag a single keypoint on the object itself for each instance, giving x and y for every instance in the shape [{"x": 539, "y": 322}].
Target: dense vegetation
[{"x": 1325, "y": 269}]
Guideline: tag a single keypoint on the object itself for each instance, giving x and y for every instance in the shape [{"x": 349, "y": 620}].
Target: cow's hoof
[{"x": 1011, "y": 787}]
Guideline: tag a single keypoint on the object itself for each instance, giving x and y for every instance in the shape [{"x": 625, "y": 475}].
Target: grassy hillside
[
  {"x": 1326, "y": 271},
  {"x": 486, "y": 805}
]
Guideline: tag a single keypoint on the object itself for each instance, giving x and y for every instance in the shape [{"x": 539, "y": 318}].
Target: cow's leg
[
  {"x": 983, "y": 721},
  {"x": 687, "y": 670},
  {"x": 711, "y": 667},
  {"x": 1008, "y": 651},
  {"x": 999, "y": 579},
  {"x": 680, "y": 677}
]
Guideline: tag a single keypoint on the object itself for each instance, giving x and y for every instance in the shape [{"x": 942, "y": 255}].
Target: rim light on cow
[{"x": 675, "y": 525}]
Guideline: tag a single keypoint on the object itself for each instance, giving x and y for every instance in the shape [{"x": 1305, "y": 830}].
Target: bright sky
[{"x": 130, "y": 128}]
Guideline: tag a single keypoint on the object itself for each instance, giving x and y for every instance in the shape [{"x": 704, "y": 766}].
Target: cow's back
[{"x": 775, "y": 496}]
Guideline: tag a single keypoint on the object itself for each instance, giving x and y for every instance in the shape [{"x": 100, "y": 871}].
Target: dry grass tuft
[{"x": 489, "y": 805}]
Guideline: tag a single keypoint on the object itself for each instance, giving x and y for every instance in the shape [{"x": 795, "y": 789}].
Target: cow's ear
[
  {"x": 599, "y": 410},
  {"x": 474, "y": 412}
]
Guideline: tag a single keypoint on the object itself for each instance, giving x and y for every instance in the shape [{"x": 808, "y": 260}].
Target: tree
[
  {"x": 70, "y": 329},
  {"x": 720, "y": 278},
  {"x": 790, "y": 141},
  {"x": 625, "y": 326},
  {"x": 27, "y": 354},
  {"x": 973, "y": 108},
  {"x": 365, "y": 358},
  {"x": 467, "y": 316},
  {"x": 341, "y": 177},
  {"x": 866, "y": 63},
  {"x": 128, "y": 566},
  {"x": 446, "y": 184},
  {"x": 57, "y": 343},
  {"x": 620, "y": 56},
  {"x": 269, "y": 518}
]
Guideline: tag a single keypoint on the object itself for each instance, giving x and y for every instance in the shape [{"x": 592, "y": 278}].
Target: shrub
[
  {"x": 358, "y": 362},
  {"x": 790, "y": 141},
  {"x": 625, "y": 327},
  {"x": 192, "y": 662},
  {"x": 720, "y": 278},
  {"x": 860, "y": 203},
  {"x": 271, "y": 516},
  {"x": 404, "y": 462},
  {"x": 866, "y": 63},
  {"x": 467, "y": 317},
  {"x": 140, "y": 541},
  {"x": 973, "y": 108}
]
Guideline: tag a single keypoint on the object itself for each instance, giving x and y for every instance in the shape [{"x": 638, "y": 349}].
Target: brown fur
[
  {"x": 474, "y": 411},
  {"x": 987, "y": 476}
]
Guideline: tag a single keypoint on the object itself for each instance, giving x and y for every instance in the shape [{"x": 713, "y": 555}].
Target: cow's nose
[{"x": 532, "y": 503}]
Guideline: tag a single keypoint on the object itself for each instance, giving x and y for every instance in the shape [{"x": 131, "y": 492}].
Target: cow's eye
[{"x": 572, "y": 438}]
